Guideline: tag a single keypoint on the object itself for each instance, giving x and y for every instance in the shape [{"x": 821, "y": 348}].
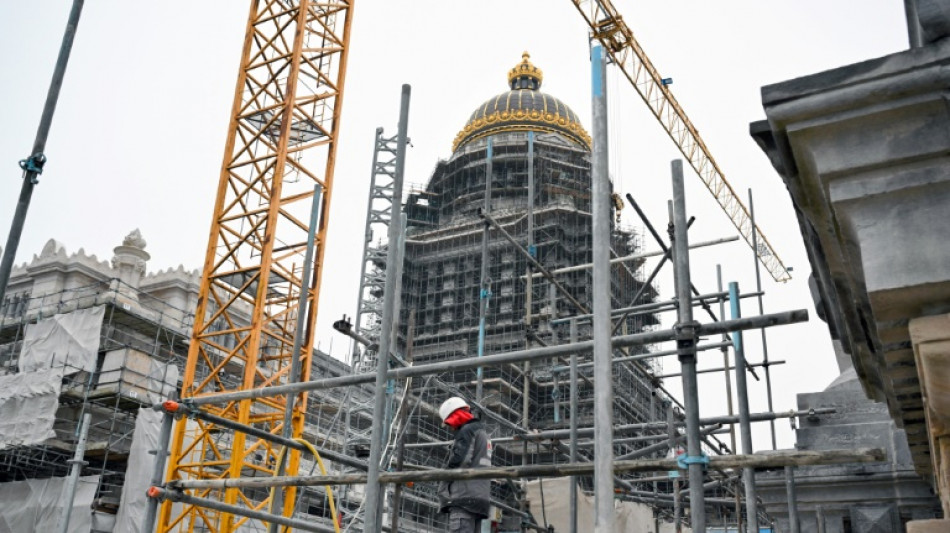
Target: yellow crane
[
  {"x": 280, "y": 152},
  {"x": 608, "y": 27}
]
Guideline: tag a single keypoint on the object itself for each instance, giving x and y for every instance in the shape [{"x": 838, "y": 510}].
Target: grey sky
[{"x": 138, "y": 135}]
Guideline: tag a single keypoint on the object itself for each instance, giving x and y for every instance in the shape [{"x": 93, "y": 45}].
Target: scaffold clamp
[
  {"x": 683, "y": 461},
  {"x": 34, "y": 164}
]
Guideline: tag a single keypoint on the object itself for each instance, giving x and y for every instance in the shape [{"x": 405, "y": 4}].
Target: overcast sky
[{"x": 138, "y": 136}]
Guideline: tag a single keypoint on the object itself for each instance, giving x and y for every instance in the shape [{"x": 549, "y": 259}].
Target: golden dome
[{"x": 523, "y": 108}]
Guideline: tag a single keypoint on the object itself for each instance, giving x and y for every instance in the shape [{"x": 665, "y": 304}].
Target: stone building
[{"x": 863, "y": 150}]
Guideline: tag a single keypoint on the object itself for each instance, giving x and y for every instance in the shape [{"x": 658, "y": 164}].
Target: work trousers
[{"x": 462, "y": 521}]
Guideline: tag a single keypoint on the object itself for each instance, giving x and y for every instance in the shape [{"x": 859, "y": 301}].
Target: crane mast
[
  {"x": 279, "y": 153},
  {"x": 608, "y": 27}
]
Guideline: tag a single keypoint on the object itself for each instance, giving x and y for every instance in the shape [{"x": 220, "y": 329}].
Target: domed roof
[{"x": 523, "y": 108}]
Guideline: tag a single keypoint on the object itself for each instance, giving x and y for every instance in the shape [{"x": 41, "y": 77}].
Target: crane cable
[{"x": 323, "y": 470}]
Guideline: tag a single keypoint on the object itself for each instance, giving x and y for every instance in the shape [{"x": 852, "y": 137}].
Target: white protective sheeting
[
  {"x": 148, "y": 425},
  {"x": 630, "y": 516},
  {"x": 37, "y": 504},
  {"x": 66, "y": 340},
  {"x": 28, "y": 404}
]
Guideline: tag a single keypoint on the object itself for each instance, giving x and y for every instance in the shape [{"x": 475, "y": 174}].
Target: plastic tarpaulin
[
  {"x": 131, "y": 515},
  {"x": 28, "y": 404},
  {"x": 69, "y": 339},
  {"x": 630, "y": 516},
  {"x": 37, "y": 505}
]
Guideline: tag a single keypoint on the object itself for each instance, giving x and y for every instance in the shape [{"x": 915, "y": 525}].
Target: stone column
[{"x": 930, "y": 337}]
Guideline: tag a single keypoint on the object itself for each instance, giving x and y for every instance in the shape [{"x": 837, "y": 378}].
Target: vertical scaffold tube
[
  {"x": 686, "y": 344},
  {"x": 745, "y": 427},
  {"x": 603, "y": 384},
  {"x": 485, "y": 292},
  {"x": 575, "y": 479},
  {"x": 377, "y": 442}
]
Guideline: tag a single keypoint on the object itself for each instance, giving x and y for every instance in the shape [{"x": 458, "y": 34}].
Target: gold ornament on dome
[{"x": 525, "y": 68}]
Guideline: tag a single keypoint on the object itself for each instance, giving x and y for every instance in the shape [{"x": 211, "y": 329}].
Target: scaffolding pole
[
  {"x": 745, "y": 428},
  {"x": 758, "y": 288},
  {"x": 686, "y": 342},
  {"x": 373, "y": 516},
  {"x": 603, "y": 376},
  {"x": 574, "y": 480},
  {"x": 288, "y": 429},
  {"x": 75, "y": 467},
  {"x": 777, "y": 459}
]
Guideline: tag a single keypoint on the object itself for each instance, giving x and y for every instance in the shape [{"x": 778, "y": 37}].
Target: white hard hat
[{"x": 450, "y": 406}]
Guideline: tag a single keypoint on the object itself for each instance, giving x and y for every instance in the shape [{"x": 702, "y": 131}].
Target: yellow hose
[{"x": 323, "y": 470}]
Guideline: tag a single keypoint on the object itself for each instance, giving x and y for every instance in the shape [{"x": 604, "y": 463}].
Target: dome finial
[{"x": 525, "y": 75}]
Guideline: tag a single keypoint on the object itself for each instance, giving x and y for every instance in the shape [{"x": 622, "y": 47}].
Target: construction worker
[{"x": 466, "y": 500}]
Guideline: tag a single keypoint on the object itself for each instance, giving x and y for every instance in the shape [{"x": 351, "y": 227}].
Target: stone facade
[{"x": 863, "y": 150}]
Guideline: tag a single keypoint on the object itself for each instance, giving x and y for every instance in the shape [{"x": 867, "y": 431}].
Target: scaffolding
[
  {"x": 141, "y": 348},
  {"x": 510, "y": 284}
]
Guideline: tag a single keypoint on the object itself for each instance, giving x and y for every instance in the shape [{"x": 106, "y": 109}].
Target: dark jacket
[{"x": 471, "y": 449}]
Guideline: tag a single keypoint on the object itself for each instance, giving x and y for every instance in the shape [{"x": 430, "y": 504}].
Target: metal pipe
[
  {"x": 373, "y": 516},
  {"x": 33, "y": 165},
  {"x": 641, "y": 255},
  {"x": 533, "y": 354},
  {"x": 686, "y": 342},
  {"x": 529, "y": 286},
  {"x": 642, "y": 356},
  {"x": 667, "y": 444},
  {"x": 603, "y": 375},
  {"x": 288, "y": 429},
  {"x": 484, "y": 293},
  {"x": 721, "y": 369},
  {"x": 770, "y": 460},
  {"x": 559, "y": 434},
  {"x": 792, "y": 500},
  {"x": 158, "y": 472},
  {"x": 745, "y": 428},
  {"x": 574, "y": 422},
  {"x": 402, "y": 424},
  {"x": 677, "y": 496},
  {"x": 725, "y": 363},
  {"x": 758, "y": 285},
  {"x": 75, "y": 467},
  {"x": 182, "y": 497},
  {"x": 193, "y": 412},
  {"x": 659, "y": 307}
]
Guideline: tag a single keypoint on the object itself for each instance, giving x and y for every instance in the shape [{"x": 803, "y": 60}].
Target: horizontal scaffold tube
[
  {"x": 646, "y": 426},
  {"x": 182, "y": 497},
  {"x": 520, "y": 356},
  {"x": 172, "y": 407},
  {"x": 767, "y": 460}
]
